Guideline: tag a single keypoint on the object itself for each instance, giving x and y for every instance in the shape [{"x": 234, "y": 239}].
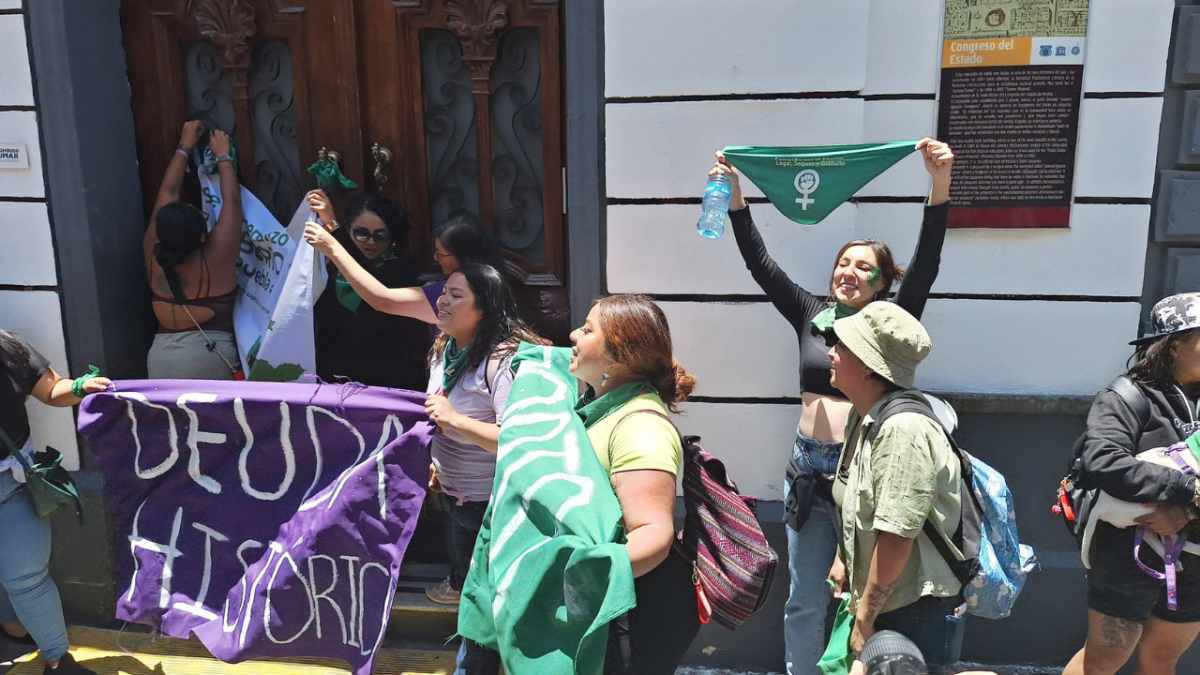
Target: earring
[{"x": 603, "y": 380}]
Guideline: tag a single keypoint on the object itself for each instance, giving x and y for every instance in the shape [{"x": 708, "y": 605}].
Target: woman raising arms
[{"x": 863, "y": 270}]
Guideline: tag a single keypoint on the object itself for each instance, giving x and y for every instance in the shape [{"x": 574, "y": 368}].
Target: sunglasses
[{"x": 364, "y": 235}]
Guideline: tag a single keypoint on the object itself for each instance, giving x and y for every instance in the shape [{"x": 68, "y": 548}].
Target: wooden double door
[{"x": 434, "y": 103}]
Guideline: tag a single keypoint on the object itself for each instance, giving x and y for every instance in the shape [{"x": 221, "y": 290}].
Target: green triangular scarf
[
  {"x": 346, "y": 295},
  {"x": 807, "y": 184},
  {"x": 824, "y": 320},
  {"x": 329, "y": 176},
  {"x": 549, "y": 570},
  {"x": 592, "y": 410},
  {"x": 454, "y": 362}
]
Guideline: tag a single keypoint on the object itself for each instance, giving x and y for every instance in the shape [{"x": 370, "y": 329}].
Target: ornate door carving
[
  {"x": 470, "y": 94},
  {"x": 466, "y": 94},
  {"x": 279, "y": 75}
]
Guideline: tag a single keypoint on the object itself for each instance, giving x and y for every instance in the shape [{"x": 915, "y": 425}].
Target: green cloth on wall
[
  {"x": 550, "y": 569},
  {"x": 807, "y": 184}
]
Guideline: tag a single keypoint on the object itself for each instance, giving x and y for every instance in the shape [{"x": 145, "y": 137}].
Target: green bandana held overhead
[
  {"x": 346, "y": 295},
  {"x": 329, "y": 176},
  {"x": 454, "y": 363},
  {"x": 825, "y": 318},
  {"x": 807, "y": 184},
  {"x": 550, "y": 570}
]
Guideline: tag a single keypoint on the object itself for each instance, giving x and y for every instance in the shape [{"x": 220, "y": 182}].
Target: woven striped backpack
[{"x": 733, "y": 563}]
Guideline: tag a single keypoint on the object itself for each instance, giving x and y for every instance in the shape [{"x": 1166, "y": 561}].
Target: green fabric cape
[
  {"x": 807, "y": 184},
  {"x": 550, "y": 570}
]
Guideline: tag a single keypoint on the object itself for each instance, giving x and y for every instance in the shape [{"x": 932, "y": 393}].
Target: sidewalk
[{"x": 133, "y": 653}]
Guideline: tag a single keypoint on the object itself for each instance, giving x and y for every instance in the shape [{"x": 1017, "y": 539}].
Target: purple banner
[{"x": 269, "y": 519}]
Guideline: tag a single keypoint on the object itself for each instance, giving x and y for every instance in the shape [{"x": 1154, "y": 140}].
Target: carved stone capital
[{"x": 477, "y": 23}]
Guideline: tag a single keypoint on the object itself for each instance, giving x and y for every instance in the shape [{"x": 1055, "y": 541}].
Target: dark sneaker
[
  {"x": 13, "y": 648},
  {"x": 67, "y": 666},
  {"x": 443, "y": 593}
]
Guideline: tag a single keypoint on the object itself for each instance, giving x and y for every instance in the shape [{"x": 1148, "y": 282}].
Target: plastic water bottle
[{"x": 716, "y": 207}]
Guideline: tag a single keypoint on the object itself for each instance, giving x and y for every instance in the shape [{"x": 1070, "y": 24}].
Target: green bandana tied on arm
[
  {"x": 824, "y": 319},
  {"x": 346, "y": 295},
  {"x": 550, "y": 570},
  {"x": 454, "y": 364},
  {"x": 807, "y": 184}
]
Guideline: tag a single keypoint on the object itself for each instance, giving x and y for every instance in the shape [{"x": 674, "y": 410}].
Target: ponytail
[
  {"x": 181, "y": 229},
  {"x": 675, "y": 385}
]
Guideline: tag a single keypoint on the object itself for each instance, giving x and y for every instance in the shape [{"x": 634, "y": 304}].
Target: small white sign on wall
[{"x": 14, "y": 156}]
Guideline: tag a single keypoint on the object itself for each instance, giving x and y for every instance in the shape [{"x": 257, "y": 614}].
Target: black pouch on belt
[{"x": 802, "y": 484}]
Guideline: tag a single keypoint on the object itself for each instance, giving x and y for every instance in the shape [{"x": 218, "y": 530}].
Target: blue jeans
[
  {"x": 810, "y": 555},
  {"x": 27, "y": 593}
]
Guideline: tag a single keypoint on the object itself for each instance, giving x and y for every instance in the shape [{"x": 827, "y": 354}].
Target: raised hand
[
  {"x": 192, "y": 131},
  {"x": 723, "y": 167}
]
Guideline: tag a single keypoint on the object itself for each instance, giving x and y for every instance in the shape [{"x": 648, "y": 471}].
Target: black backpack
[{"x": 1075, "y": 497}]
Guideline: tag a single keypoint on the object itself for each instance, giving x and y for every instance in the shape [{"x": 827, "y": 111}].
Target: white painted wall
[
  {"x": 686, "y": 77},
  {"x": 27, "y": 261}
]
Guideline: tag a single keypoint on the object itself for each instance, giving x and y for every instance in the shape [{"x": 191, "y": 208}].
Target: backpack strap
[
  {"x": 968, "y": 522},
  {"x": 1134, "y": 397}
]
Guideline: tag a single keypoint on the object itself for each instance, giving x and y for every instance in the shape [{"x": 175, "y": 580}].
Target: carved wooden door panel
[
  {"x": 279, "y": 75},
  {"x": 467, "y": 95}
]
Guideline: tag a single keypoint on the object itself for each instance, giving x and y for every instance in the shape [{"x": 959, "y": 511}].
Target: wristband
[
  {"x": 331, "y": 226},
  {"x": 77, "y": 385},
  {"x": 224, "y": 158},
  {"x": 183, "y": 150}
]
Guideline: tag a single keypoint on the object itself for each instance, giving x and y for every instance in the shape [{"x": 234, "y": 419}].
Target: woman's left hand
[
  {"x": 939, "y": 158},
  {"x": 439, "y": 410},
  {"x": 321, "y": 239},
  {"x": 859, "y": 636},
  {"x": 95, "y": 385}
]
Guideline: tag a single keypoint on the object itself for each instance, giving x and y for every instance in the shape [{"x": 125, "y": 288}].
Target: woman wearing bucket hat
[
  {"x": 1154, "y": 405},
  {"x": 890, "y": 481},
  {"x": 863, "y": 271}
]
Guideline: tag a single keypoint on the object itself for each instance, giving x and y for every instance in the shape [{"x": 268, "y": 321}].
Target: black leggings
[{"x": 650, "y": 639}]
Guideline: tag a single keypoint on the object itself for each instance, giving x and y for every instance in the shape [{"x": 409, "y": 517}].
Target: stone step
[{"x": 416, "y": 621}]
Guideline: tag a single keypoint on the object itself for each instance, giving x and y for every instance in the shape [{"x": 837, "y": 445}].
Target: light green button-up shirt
[{"x": 910, "y": 474}]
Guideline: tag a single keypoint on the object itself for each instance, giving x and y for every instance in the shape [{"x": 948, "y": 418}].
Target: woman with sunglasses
[
  {"x": 461, "y": 240},
  {"x": 355, "y": 340}
]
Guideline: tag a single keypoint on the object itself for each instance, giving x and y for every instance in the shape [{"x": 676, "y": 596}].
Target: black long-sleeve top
[
  {"x": 799, "y": 306},
  {"x": 1115, "y": 436}
]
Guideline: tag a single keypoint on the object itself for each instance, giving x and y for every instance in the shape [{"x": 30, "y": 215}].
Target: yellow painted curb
[{"x": 110, "y": 652}]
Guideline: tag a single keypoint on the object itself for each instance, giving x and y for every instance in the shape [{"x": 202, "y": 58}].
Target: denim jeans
[
  {"x": 931, "y": 624},
  {"x": 810, "y": 555},
  {"x": 463, "y": 522},
  {"x": 27, "y": 593}
]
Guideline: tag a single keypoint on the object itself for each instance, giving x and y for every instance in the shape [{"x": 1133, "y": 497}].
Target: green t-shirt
[
  {"x": 910, "y": 474},
  {"x": 643, "y": 441}
]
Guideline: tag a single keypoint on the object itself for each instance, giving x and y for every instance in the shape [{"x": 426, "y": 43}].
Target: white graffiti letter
[
  {"x": 284, "y": 555},
  {"x": 169, "y": 552},
  {"x": 172, "y": 436},
  {"x": 196, "y": 437},
  {"x": 324, "y": 595},
  {"x": 362, "y": 593},
  {"x": 225, "y": 625},
  {"x": 285, "y": 444}
]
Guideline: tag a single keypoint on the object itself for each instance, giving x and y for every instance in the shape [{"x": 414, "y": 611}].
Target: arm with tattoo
[{"x": 887, "y": 563}]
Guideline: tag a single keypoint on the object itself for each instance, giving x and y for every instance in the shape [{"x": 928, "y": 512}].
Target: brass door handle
[
  {"x": 382, "y": 156},
  {"x": 334, "y": 155}
]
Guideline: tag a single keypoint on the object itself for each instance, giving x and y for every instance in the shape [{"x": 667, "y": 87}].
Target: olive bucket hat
[
  {"x": 1172, "y": 314},
  {"x": 889, "y": 340}
]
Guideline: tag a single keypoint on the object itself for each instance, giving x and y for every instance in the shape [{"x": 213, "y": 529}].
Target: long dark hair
[
  {"x": 181, "y": 228},
  {"x": 1156, "y": 361},
  {"x": 501, "y": 329},
  {"x": 636, "y": 335},
  {"x": 388, "y": 210},
  {"x": 15, "y": 359},
  {"x": 889, "y": 273},
  {"x": 469, "y": 240}
]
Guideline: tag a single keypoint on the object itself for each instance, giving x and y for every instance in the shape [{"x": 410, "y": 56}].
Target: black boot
[{"x": 67, "y": 666}]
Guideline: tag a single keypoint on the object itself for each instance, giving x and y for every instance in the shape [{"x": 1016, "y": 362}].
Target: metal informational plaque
[{"x": 1012, "y": 79}]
